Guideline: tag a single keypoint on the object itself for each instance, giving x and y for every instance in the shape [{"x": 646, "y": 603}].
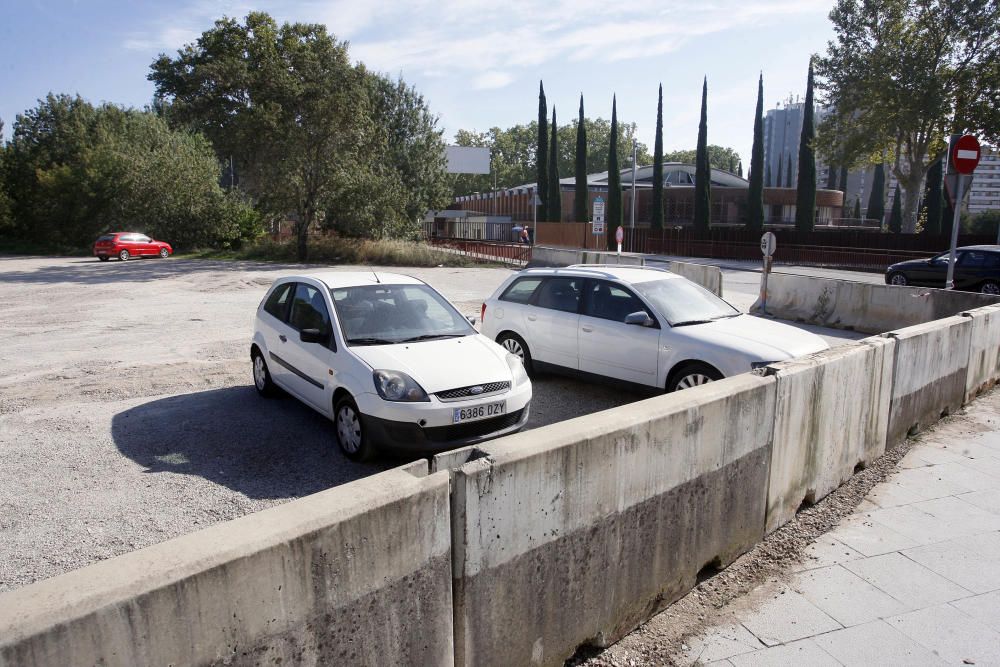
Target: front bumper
[{"x": 395, "y": 436}]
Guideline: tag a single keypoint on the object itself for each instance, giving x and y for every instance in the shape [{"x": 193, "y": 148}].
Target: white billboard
[{"x": 468, "y": 160}]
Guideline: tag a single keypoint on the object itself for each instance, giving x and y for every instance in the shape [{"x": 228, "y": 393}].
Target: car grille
[
  {"x": 464, "y": 392},
  {"x": 473, "y": 429}
]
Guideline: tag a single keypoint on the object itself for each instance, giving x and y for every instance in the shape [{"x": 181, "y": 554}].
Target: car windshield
[
  {"x": 388, "y": 314},
  {"x": 682, "y": 302}
]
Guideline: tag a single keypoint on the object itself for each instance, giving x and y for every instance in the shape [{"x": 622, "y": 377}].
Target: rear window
[
  {"x": 277, "y": 303},
  {"x": 521, "y": 290},
  {"x": 106, "y": 237}
]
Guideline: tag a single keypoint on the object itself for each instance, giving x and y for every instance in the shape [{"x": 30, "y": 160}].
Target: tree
[
  {"x": 788, "y": 171},
  {"x": 896, "y": 217},
  {"x": 6, "y": 221},
  {"x": 657, "y": 198},
  {"x": 768, "y": 181},
  {"x": 719, "y": 157},
  {"x": 581, "y": 194},
  {"x": 755, "y": 194},
  {"x": 614, "y": 207},
  {"x": 781, "y": 164},
  {"x": 901, "y": 75},
  {"x": 739, "y": 169},
  {"x": 843, "y": 179},
  {"x": 831, "y": 177},
  {"x": 934, "y": 198},
  {"x": 541, "y": 156},
  {"x": 876, "y": 200},
  {"x": 703, "y": 171},
  {"x": 805, "y": 198},
  {"x": 857, "y": 208},
  {"x": 554, "y": 200}
]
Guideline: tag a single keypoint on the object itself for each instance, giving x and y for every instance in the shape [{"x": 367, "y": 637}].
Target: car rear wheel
[
  {"x": 898, "y": 279},
  {"x": 990, "y": 287},
  {"x": 103, "y": 258},
  {"x": 516, "y": 346},
  {"x": 262, "y": 376},
  {"x": 164, "y": 253},
  {"x": 691, "y": 375},
  {"x": 124, "y": 255},
  {"x": 351, "y": 436}
]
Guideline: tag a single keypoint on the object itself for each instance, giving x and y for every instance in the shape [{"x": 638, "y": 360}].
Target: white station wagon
[
  {"x": 389, "y": 360},
  {"x": 639, "y": 325}
]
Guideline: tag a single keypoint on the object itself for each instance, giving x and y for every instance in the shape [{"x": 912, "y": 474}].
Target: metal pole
[
  {"x": 960, "y": 188},
  {"x": 635, "y": 154}
]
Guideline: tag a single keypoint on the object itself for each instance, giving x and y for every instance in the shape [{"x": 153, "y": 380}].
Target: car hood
[
  {"x": 766, "y": 339},
  {"x": 909, "y": 264},
  {"x": 438, "y": 365}
]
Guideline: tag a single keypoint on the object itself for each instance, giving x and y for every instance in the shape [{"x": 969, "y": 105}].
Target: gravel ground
[
  {"x": 127, "y": 414},
  {"x": 660, "y": 641}
]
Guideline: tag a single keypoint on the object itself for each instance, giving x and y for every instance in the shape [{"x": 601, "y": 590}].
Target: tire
[
  {"x": 990, "y": 287},
  {"x": 516, "y": 346},
  {"x": 692, "y": 374},
  {"x": 262, "y": 381},
  {"x": 124, "y": 255},
  {"x": 898, "y": 279},
  {"x": 350, "y": 431},
  {"x": 164, "y": 253},
  {"x": 103, "y": 258}
]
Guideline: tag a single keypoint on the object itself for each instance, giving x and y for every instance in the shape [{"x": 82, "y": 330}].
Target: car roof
[
  {"x": 335, "y": 279},
  {"x": 626, "y": 274},
  {"x": 991, "y": 248}
]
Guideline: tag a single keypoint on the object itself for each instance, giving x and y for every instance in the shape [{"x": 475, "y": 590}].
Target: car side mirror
[
  {"x": 472, "y": 320},
  {"x": 312, "y": 336},
  {"x": 640, "y": 318}
]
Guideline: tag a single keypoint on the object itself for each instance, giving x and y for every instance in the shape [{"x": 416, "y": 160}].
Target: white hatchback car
[
  {"x": 389, "y": 360},
  {"x": 642, "y": 326}
]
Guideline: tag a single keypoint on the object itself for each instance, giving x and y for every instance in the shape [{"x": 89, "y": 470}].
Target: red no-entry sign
[{"x": 965, "y": 154}]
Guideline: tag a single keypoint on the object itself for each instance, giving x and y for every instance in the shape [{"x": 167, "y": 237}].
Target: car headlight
[
  {"x": 396, "y": 386},
  {"x": 517, "y": 369}
]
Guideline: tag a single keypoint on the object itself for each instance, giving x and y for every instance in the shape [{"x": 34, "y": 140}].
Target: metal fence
[{"x": 518, "y": 254}]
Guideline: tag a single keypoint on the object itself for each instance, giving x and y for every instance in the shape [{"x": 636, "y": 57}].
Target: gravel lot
[{"x": 127, "y": 413}]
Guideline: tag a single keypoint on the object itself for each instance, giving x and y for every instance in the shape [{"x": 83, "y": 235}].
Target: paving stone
[
  {"x": 826, "y": 551},
  {"x": 923, "y": 455},
  {"x": 907, "y": 581},
  {"x": 965, "y": 475},
  {"x": 846, "y": 597},
  {"x": 966, "y": 561},
  {"x": 875, "y": 643},
  {"x": 786, "y": 616},
  {"x": 953, "y": 635},
  {"x": 959, "y": 516},
  {"x": 985, "y": 607},
  {"x": 797, "y": 654},
  {"x": 931, "y": 521},
  {"x": 869, "y": 537},
  {"x": 986, "y": 500},
  {"x": 720, "y": 643},
  {"x": 892, "y": 494}
]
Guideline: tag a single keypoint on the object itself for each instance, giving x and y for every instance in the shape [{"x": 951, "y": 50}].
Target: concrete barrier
[
  {"x": 575, "y": 533},
  {"x": 709, "y": 277},
  {"x": 929, "y": 374},
  {"x": 865, "y": 307},
  {"x": 359, "y": 574},
  {"x": 984, "y": 351},
  {"x": 831, "y": 416}
]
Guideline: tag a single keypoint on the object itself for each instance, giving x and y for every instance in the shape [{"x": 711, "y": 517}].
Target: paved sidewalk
[{"x": 911, "y": 578}]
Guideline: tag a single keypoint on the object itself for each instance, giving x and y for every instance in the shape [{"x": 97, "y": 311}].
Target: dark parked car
[
  {"x": 125, "y": 245},
  {"x": 977, "y": 268}
]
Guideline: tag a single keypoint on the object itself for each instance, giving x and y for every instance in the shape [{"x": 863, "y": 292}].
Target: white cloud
[{"x": 491, "y": 80}]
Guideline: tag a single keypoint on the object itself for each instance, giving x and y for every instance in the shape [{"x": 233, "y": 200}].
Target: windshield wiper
[
  {"x": 431, "y": 337},
  {"x": 370, "y": 341},
  {"x": 687, "y": 322}
]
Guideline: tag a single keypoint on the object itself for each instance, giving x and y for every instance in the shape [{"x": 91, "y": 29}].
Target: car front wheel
[
  {"x": 990, "y": 287},
  {"x": 103, "y": 258},
  {"x": 124, "y": 255},
  {"x": 692, "y": 375},
  {"x": 164, "y": 253},
  {"x": 351, "y": 436},
  {"x": 516, "y": 346},
  {"x": 898, "y": 279}
]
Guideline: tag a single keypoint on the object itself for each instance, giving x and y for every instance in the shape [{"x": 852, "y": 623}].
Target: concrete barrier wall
[
  {"x": 577, "y": 532},
  {"x": 359, "y": 574},
  {"x": 984, "y": 350},
  {"x": 929, "y": 374},
  {"x": 866, "y": 307},
  {"x": 709, "y": 277},
  {"x": 831, "y": 416}
]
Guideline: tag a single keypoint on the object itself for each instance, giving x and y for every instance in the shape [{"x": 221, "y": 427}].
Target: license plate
[{"x": 479, "y": 412}]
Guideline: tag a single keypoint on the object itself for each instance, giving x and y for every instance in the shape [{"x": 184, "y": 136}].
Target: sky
[{"x": 477, "y": 62}]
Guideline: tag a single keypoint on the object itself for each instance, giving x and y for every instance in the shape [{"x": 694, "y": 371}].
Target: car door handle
[
  {"x": 587, "y": 329},
  {"x": 282, "y": 338},
  {"x": 532, "y": 318}
]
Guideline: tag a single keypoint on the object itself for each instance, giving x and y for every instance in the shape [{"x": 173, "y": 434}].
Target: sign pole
[
  {"x": 949, "y": 283},
  {"x": 964, "y": 153},
  {"x": 768, "y": 244}
]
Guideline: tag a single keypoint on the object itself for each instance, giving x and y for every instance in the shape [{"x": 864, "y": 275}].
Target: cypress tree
[
  {"x": 581, "y": 199},
  {"x": 703, "y": 171},
  {"x": 805, "y": 198},
  {"x": 739, "y": 168},
  {"x": 554, "y": 200},
  {"x": 755, "y": 194},
  {"x": 857, "y": 208},
  {"x": 613, "y": 210},
  {"x": 657, "y": 203},
  {"x": 831, "y": 177},
  {"x": 896, "y": 217},
  {"x": 542, "y": 155},
  {"x": 781, "y": 168},
  {"x": 788, "y": 172},
  {"x": 876, "y": 201},
  {"x": 843, "y": 180},
  {"x": 767, "y": 176},
  {"x": 947, "y": 216},
  {"x": 934, "y": 199}
]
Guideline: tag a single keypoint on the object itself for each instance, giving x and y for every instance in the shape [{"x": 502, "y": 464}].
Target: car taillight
[{"x": 482, "y": 313}]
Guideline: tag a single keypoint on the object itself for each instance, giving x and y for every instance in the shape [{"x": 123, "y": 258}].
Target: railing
[{"x": 492, "y": 251}]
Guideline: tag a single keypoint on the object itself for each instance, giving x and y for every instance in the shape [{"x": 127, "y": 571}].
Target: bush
[{"x": 339, "y": 250}]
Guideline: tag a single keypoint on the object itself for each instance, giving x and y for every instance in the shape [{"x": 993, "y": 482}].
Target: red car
[{"x": 124, "y": 245}]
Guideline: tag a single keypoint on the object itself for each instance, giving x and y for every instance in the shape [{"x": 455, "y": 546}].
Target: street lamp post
[{"x": 635, "y": 153}]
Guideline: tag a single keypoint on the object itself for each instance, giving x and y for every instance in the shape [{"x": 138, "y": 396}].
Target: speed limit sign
[{"x": 768, "y": 243}]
